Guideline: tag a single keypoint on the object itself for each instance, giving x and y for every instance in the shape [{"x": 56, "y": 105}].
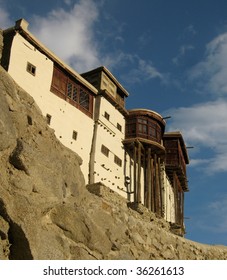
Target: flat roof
[{"x": 109, "y": 74}]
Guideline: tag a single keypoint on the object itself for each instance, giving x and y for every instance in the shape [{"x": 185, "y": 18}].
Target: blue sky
[{"x": 171, "y": 56}]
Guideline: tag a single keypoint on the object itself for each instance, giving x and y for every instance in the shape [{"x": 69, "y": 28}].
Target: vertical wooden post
[
  {"x": 158, "y": 191},
  {"x": 152, "y": 186},
  {"x": 139, "y": 174},
  {"x": 175, "y": 197},
  {"x": 160, "y": 187},
  {"x": 155, "y": 185},
  {"x": 182, "y": 212},
  {"x": 148, "y": 170},
  {"x": 134, "y": 171}
]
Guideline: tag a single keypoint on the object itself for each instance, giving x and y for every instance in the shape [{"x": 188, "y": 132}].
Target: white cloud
[
  {"x": 141, "y": 70},
  {"x": 211, "y": 73},
  {"x": 70, "y": 34},
  {"x": 204, "y": 125},
  {"x": 182, "y": 51}
]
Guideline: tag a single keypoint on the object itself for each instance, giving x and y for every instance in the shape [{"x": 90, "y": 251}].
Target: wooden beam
[
  {"x": 139, "y": 174},
  {"x": 152, "y": 186},
  {"x": 149, "y": 173},
  {"x": 160, "y": 186},
  {"x": 134, "y": 171}
]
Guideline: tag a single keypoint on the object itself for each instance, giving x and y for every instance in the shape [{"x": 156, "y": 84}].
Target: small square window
[
  {"x": 105, "y": 150},
  {"x": 107, "y": 116},
  {"x": 31, "y": 69},
  {"x": 48, "y": 118},
  {"x": 119, "y": 127},
  {"x": 117, "y": 160},
  {"x": 74, "y": 136}
]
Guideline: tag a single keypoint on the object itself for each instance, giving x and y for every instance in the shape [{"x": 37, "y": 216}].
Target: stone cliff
[{"x": 46, "y": 211}]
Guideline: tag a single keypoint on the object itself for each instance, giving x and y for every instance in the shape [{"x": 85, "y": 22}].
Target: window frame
[
  {"x": 117, "y": 160},
  {"x": 71, "y": 90},
  {"x": 31, "y": 69},
  {"x": 105, "y": 151}
]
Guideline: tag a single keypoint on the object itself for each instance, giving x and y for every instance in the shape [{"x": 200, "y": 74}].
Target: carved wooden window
[
  {"x": 84, "y": 99},
  {"x": 72, "y": 91},
  {"x": 143, "y": 127}
]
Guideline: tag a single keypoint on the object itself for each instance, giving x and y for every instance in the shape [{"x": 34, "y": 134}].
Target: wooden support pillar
[
  {"x": 134, "y": 171},
  {"x": 160, "y": 187},
  {"x": 176, "y": 198},
  {"x": 158, "y": 192},
  {"x": 152, "y": 186},
  {"x": 139, "y": 174},
  {"x": 149, "y": 173},
  {"x": 182, "y": 205},
  {"x": 156, "y": 202}
]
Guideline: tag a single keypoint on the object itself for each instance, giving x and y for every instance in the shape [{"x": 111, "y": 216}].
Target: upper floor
[
  {"x": 108, "y": 86},
  {"x": 176, "y": 157},
  {"x": 146, "y": 126}
]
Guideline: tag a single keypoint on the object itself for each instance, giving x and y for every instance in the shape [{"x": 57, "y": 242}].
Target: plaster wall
[
  {"x": 168, "y": 197},
  {"x": 105, "y": 168},
  {"x": 65, "y": 118}
]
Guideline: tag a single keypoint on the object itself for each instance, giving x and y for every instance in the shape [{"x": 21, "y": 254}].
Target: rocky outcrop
[{"x": 46, "y": 212}]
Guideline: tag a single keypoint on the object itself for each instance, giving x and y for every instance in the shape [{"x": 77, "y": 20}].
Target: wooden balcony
[{"x": 176, "y": 157}]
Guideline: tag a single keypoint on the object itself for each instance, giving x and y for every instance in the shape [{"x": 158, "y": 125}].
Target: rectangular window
[
  {"x": 74, "y": 136},
  {"x": 68, "y": 88},
  {"x": 74, "y": 94},
  {"x": 48, "y": 118},
  {"x": 119, "y": 127},
  {"x": 84, "y": 99},
  {"x": 107, "y": 116},
  {"x": 31, "y": 68},
  {"x": 105, "y": 150},
  {"x": 117, "y": 160}
]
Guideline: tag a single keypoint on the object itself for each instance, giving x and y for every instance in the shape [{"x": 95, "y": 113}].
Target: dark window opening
[
  {"x": 117, "y": 160},
  {"x": 105, "y": 150},
  {"x": 107, "y": 116},
  {"x": 31, "y": 69},
  {"x": 74, "y": 136},
  {"x": 48, "y": 118},
  {"x": 119, "y": 127},
  {"x": 29, "y": 118}
]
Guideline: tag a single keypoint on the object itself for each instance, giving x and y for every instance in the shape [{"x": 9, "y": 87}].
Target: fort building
[{"x": 126, "y": 150}]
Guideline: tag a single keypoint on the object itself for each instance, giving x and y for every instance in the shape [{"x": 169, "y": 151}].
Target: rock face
[{"x": 46, "y": 212}]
